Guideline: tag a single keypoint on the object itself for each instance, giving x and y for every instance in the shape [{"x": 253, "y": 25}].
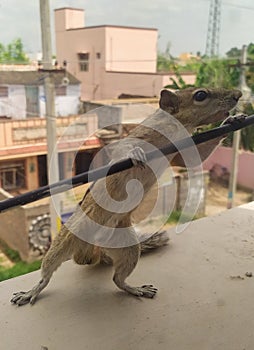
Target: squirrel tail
[{"x": 154, "y": 241}]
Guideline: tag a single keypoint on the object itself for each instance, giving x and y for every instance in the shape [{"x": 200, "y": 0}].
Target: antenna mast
[{"x": 213, "y": 32}]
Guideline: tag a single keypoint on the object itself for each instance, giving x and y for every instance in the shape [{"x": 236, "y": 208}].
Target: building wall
[
  {"x": 149, "y": 85},
  {"x": 110, "y": 48},
  {"x": 70, "y": 43},
  {"x": 115, "y": 84},
  {"x": 64, "y": 105},
  {"x": 131, "y": 49},
  {"x": 15, "y": 223},
  {"x": 15, "y": 104},
  {"x": 13, "y": 229},
  {"x": 121, "y": 59},
  {"x": 32, "y": 175},
  {"x": 223, "y": 157}
]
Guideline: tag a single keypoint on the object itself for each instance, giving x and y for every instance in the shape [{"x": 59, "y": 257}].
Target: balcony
[{"x": 204, "y": 299}]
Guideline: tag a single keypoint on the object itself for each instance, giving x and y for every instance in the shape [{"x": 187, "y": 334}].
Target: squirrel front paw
[
  {"x": 138, "y": 157},
  {"x": 234, "y": 119}
]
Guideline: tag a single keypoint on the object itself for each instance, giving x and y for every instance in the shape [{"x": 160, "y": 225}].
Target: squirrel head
[{"x": 199, "y": 106}]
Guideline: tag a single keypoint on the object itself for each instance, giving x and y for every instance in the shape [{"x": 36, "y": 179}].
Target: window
[
  {"x": 83, "y": 61},
  {"x": 98, "y": 55},
  {"x": 12, "y": 175},
  {"x": 60, "y": 90},
  {"x": 4, "y": 91}
]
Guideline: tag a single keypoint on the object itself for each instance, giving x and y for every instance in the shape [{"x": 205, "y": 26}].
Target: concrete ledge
[{"x": 205, "y": 301}]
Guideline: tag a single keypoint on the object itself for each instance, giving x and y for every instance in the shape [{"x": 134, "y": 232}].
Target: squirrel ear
[{"x": 169, "y": 101}]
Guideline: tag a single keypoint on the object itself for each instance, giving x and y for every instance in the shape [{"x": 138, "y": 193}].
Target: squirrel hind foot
[
  {"x": 22, "y": 298},
  {"x": 146, "y": 291}
]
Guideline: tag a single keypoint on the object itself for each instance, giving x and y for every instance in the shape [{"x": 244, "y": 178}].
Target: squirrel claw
[
  {"x": 146, "y": 291},
  {"x": 138, "y": 157},
  {"x": 22, "y": 298},
  {"x": 234, "y": 119}
]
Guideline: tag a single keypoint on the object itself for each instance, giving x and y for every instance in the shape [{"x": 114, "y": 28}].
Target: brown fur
[{"x": 186, "y": 107}]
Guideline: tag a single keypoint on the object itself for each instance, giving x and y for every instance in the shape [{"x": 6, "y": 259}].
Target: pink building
[
  {"x": 109, "y": 60},
  {"x": 222, "y": 157}
]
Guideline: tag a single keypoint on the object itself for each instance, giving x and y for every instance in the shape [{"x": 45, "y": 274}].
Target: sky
[{"x": 182, "y": 24}]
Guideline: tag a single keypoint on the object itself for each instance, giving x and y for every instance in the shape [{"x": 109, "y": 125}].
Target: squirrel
[{"x": 192, "y": 107}]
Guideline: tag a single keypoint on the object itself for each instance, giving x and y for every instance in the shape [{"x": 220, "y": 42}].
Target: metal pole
[
  {"x": 49, "y": 88},
  {"x": 237, "y": 134}
]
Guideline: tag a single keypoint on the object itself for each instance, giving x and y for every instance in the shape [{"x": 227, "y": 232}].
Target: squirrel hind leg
[
  {"x": 60, "y": 251},
  {"x": 125, "y": 260}
]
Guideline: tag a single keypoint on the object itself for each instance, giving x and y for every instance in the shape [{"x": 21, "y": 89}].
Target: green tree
[
  {"x": 179, "y": 82},
  {"x": 234, "y": 53},
  {"x": 165, "y": 60},
  {"x": 218, "y": 73},
  {"x": 13, "y": 52}
]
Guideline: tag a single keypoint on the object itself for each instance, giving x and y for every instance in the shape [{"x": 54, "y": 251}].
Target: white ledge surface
[{"x": 204, "y": 301}]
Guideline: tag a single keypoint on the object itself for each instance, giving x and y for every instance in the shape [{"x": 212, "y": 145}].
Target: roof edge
[{"x": 114, "y": 26}]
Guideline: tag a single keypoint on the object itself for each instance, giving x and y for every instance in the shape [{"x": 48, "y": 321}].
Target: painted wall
[
  {"x": 131, "y": 49},
  {"x": 121, "y": 59},
  {"x": 15, "y": 104},
  {"x": 115, "y": 83},
  {"x": 64, "y": 105},
  {"x": 223, "y": 157},
  {"x": 32, "y": 176}
]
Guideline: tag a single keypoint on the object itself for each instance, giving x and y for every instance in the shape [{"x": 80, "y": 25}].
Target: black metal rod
[{"x": 107, "y": 170}]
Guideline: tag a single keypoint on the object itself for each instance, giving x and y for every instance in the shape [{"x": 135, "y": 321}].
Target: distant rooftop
[
  {"x": 114, "y": 26},
  {"x": 69, "y": 8},
  {"x": 33, "y": 78},
  {"x": 101, "y": 25}
]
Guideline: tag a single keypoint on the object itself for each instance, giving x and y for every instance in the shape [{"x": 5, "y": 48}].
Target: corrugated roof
[{"x": 33, "y": 78}]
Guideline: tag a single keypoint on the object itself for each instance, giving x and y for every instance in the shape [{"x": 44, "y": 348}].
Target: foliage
[
  {"x": 163, "y": 63},
  {"x": 165, "y": 60},
  {"x": 250, "y": 71},
  {"x": 247, "y": 134},
  {"x": 13, "y": 52},
  {"x": 12, "y": 254},
  {"x": 218, "y": 73},
  {"x": 175, "y": 216},
  {"x": 18, "y": 269},
  {"x": 234, "y": 53},
  {"x": 179, "y": 82}
]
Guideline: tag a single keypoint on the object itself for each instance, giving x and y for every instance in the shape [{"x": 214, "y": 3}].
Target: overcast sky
[{"x": 182, "y": 23}]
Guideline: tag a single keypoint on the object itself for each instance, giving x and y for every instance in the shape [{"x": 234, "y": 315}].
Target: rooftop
[
  {"x": 114, "y": 26},
  {"x": 33, "y": 78}
]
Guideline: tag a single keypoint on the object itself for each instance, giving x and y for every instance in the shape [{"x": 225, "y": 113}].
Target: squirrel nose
[{"x": 237, "y": 94}]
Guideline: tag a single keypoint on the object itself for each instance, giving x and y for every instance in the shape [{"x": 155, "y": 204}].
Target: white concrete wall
[
  {"x": 15, "y": 104},
  {"x": 64, "y": 105},
  {"x": 68, "y": 105}
]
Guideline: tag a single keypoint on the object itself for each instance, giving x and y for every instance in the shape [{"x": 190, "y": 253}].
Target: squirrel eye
[{"x": 200, "y": 96}]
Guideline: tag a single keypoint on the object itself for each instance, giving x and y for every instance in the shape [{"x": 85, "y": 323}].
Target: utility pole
[
  {"x": 49, "y": 88},
  {"x": 237, "y": 134}
]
